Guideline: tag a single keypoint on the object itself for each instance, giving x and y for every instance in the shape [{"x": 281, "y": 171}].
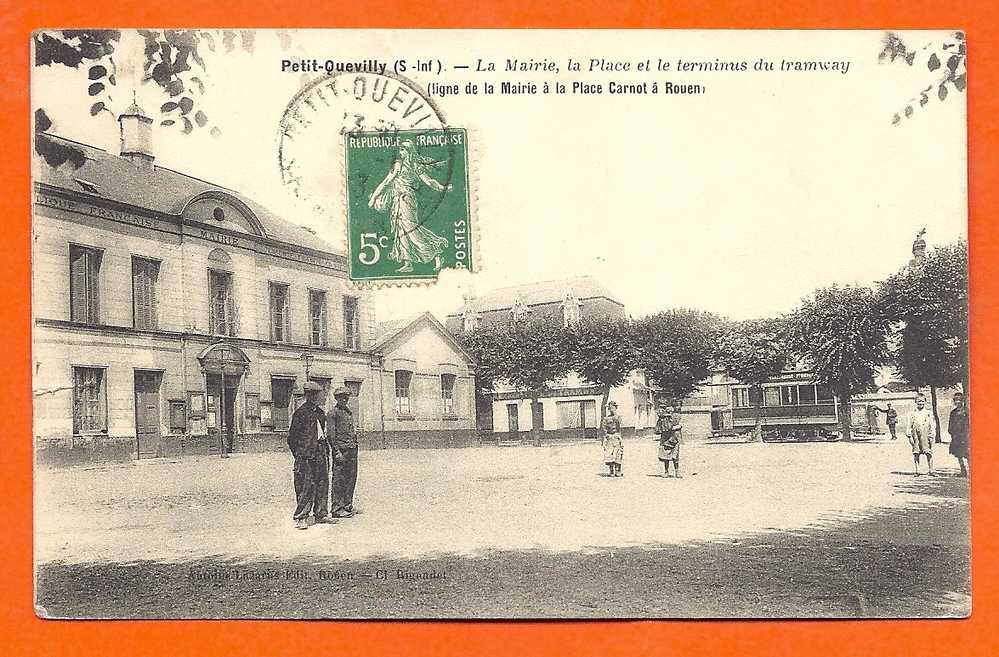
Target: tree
[
  {"x": 527, "y": 355},
  {"x": 842, "y": 333},
  {"x": 929, "y": 303},
  {"x": 172, "y": 60},
  {"x": 675, "y": 349},
  {"x": 603, "y": 351},
  {"x": 947, "y": 60},
  {"x": 752, "y": 352}
]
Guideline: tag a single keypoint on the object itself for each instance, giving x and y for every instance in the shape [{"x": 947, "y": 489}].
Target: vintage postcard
[{"x": 500, "y": 324}]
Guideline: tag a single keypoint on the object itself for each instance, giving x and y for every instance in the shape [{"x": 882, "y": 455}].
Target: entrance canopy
[{"x": 223, "y": 358}]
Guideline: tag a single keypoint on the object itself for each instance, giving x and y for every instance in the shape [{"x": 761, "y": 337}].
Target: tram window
[
  {"x": 789, "y": 395},
  {"x": 806, "y": 394}
]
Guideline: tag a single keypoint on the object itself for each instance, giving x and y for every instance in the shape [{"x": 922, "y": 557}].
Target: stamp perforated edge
[{"x": 473, "y": 154}]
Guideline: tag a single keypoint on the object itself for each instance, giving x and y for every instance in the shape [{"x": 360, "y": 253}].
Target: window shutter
[
  {"x": 93, "y": 269},
  {"x": 78, "y": 284}
]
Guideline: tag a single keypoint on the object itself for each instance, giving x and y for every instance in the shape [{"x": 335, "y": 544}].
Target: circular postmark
[
  {"x": 373, "y": 152},
  {"x": 330, "y": 107}
]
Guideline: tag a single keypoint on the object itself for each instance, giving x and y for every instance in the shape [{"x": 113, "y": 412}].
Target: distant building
[
  {"x": 565, "y": 300},
  {"x": 571, "y": 406}
]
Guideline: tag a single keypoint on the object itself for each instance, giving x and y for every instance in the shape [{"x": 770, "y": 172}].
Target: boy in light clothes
[{"x": 921, "y": 430}]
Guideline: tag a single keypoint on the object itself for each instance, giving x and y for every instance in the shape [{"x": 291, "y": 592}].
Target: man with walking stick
[{"x": 308, "y": 443}]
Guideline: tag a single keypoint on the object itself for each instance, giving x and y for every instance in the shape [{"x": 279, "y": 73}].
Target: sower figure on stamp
[
  {"x": 307, "y": 440},
  {"x": 344, "y": 441},
  {"x": 397, "y": 193},
  {"x": 957, "y": 427},
  {"x": 668, "y": 430},
  {"x": 921, "y": 430},
  {"x": 611, "y": 441}
]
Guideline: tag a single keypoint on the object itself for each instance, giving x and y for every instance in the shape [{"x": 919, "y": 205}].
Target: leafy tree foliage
[
  {"x": 675, "y": 349},
  {"x": 527, "y": 355},
  {"x": 752, "y": 352},
  {"x": 947, "y": 61},
  {"x": 602, "y": 351},
  {"x": 929, "y": 300},
  {"x": 172, "y": 60},
  {"x": 842, "y": 333}
]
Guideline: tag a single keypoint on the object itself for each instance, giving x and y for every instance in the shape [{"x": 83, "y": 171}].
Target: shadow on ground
[{"x": 912, "y": 562}]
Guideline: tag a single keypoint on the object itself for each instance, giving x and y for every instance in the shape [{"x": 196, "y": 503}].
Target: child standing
[
  {"x": 669, "y": 440},
  {"x": 611, "y": 441}
]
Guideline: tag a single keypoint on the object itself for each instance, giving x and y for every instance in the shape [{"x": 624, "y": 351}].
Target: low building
[
  {"x": 175, "y": 316},
  {"x": 426, "y": 386}
]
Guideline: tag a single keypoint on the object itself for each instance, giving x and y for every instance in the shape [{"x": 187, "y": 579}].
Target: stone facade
[{"x": 131, "y": 364}]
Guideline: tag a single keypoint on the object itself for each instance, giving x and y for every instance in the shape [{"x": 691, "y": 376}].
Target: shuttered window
[
  {"x": 281, "y": 394},
  {"x": 351, "y": 323},
  {"x": 90, "y": 410},
  {"x": 279, "y": 312},
  {"x": 317, "y": 318},
  {"x": 84, "y": 284},
  {"x": 220, "y": 303},
  {"x": 145, "y": 275}
]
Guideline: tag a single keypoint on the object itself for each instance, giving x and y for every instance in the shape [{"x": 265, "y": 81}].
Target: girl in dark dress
[{"x": 957, "y": 427}]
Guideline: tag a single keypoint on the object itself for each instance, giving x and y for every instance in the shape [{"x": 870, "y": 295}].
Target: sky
[{"x": 741, "y": 200}]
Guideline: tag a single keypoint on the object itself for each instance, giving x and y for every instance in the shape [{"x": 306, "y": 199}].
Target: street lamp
[{"x": 307, "y": 358}]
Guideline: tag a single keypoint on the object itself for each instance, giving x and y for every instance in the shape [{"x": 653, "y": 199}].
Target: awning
[{"x": 223, "y": 358}]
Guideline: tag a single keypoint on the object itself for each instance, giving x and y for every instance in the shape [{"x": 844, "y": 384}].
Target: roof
[
  {"x": 542, "y": 292},
  {"x": 384, "y": 331},
  {"x": 158, "y": 189},
  {"x": 387, "y": 332}
]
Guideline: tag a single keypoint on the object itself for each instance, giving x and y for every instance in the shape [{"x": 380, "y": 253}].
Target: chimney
[
  {"x": 918, "y": 248},
  {"x": 136, "y": 136}
]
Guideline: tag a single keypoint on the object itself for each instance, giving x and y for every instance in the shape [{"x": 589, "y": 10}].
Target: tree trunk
[
  {"x": 936, "y": 416},
  {"x": 604, "y": 399},
  {"x": 757, "y": 398},
  {"x": 845, "y": 415},
  {"x": 537, "y": 420}
]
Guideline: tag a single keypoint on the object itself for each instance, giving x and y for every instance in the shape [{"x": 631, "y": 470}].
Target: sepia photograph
[{"x": 500, "y": 324}]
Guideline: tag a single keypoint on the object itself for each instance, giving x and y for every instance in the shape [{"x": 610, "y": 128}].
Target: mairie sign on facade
[{"x": 331, "y": 261}]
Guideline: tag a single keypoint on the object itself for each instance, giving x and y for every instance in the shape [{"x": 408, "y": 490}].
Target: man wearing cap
[
  {"x": 307, "y": 440},
  {"x": 344, "y": 442}
]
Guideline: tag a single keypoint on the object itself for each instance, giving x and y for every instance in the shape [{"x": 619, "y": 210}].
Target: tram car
[{"x": 794, "y": 408}]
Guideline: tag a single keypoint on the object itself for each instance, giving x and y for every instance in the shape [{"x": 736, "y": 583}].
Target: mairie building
[{"x": 175, "y": 316}]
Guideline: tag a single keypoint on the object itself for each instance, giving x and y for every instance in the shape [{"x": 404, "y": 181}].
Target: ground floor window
[
  {"x": 90, "y": 409},
  {"x": 403, "y": 381},
  {"x": 178, "y": 416},
  {"x": 354, "y": 403},
  {"x": 281, "y": 394},
  {"x": 252, "y": 412},
  {"x": 577, "y": 414},
  {"x": 447, "y": 393}
]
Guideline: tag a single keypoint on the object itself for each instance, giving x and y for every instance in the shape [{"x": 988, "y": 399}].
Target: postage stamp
[{"x": 408, "y": 203}]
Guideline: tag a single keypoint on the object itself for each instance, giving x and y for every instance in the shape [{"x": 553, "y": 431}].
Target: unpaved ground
[{"x": 751, "y": 530}]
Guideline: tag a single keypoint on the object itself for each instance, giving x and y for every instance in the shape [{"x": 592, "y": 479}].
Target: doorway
[
  {"x": 147, "y": 413},
  {"x": 512, "y": 418},
  {"x": 222, "y": 391}
]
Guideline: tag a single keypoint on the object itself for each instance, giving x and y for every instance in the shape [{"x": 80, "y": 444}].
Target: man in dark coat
[
  {"x": 343, "y": 435},
  {"x": 307, "y": 440},
  {"x": 891, "y": 417},
  {"x": 957, "y": 427}
]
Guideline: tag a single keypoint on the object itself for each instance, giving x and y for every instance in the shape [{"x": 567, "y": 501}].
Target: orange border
[{"x": 23, "y": 634}]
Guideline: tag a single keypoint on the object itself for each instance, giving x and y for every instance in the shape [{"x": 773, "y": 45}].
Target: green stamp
[{"x": 408, "y": 207}]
